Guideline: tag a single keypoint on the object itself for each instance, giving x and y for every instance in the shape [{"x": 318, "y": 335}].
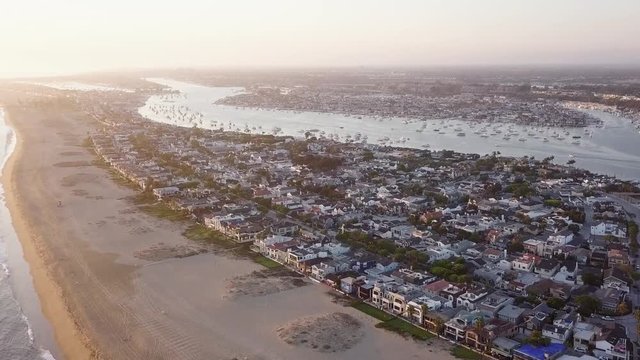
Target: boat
[
  {"x": 462, "y": 134},
  {"x": 576, "y": 137}
]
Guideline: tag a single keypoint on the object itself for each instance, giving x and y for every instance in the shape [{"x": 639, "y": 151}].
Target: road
[
  {"x": 629, "y": 321},
  {"x": 629, "y": 208}
]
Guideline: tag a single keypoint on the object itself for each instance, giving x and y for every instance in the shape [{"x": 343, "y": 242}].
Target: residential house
[
  {"x": 481, "y": 335},
  {"x": 616, "y": 278},
  {"x": 471, "y": 298},
  {"x": 321, "y": 270},
  {"x": 492, "y": 303},
  {"x": 534, "y": 246},
  {"x": 456, "y": 328},
  {"x": 502, "y": 348},
  {"x": 616, "y": 257},
  {"x": 608, "y": 229},
  {"x": 561, "y": 329},
  {"x": 568, "y": 272},
  {"x": 452, "y": 292},
  {"x": 609, "y": 298},
  {"x": 526, "y": 262},
  {"x": 547, "y": 268},
  {"x": 284, "y": 228},
  {"x": 511, "y": 313},
  {"x": 543, "y": 352},
  {"x": 584, "y": 336},
  {"x": 615, "y": 346}
]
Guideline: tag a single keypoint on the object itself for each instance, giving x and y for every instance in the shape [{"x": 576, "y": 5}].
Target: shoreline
[{"x": 52, "y": 302}]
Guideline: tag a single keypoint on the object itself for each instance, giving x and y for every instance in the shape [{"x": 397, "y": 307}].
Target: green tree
[
  {"x": 591, "y": 279},
  {"x": 411, "y": 311},
  {"x": 537, "y": 339},
  {"x": 587, "y": 305},
  {"x": 555, "y": 303}
]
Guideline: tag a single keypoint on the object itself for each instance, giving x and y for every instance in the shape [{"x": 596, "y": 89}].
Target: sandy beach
[{"x": 113, "y": 288}]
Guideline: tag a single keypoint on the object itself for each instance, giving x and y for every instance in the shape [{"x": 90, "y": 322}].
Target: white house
[{"x": 606, "y": 228}]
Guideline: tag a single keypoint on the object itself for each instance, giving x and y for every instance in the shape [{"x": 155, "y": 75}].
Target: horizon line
[{"x": 631, "y": 66}]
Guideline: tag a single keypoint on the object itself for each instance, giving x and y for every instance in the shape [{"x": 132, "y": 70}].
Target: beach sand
[{"x": 110, "y": 294}]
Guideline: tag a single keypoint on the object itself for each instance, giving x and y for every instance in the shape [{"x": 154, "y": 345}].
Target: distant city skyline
[{"x": 40, "y": 37}]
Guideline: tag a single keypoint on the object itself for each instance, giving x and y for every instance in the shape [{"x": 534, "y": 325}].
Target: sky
[{"x": 51, "y": 37}]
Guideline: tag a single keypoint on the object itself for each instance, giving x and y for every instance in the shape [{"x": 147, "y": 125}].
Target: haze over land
[
  {"x": 41, "y": 37},
  {"x": 319, "y": 179}
]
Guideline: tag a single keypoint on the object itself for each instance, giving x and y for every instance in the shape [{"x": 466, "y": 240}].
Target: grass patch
[
  {"x": 404, "y": 328},
  {"x": 115, "y": 175},
  {"x": 163, "y": 211},
  {"x": 266, "y": 262},
  {"x": 372, "y": 311},
  {"x": 464, "y": 353},
  {"x": 201, "y": 233},
  {"x": 144, "y": 198}
]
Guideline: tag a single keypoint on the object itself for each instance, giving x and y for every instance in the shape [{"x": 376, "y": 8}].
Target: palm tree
[
  {"x": 637, "y": 316},
  {"x": 424, "y": 309},
  {"x": 411, "y": 310},
  {"x": 439, "y": 325}
]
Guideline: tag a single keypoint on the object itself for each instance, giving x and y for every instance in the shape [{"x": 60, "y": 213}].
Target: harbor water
[{"x": 612, "y": 148}]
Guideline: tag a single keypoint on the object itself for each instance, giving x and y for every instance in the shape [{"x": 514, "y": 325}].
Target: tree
[
  {"x": 411, "y": 310},
  {"x": 439, "y": 325},
  {"x": 555, "y": 303},
  {"x": 591, "y": 279},
  {"x": 574, "y": 228},
  {"x": 637, "y": 316},
  {"x": 623, "y": 309},
  {"x": 537, "y": 339},
  {"x": 587, "y": 305},
  {"x": 492, "y": 189},
  {"x": 424, "y": 309},
  {"x": 515, "y": 246},
  {"x": 553, "y": 202},
  {"x": 479, "y": 323}
]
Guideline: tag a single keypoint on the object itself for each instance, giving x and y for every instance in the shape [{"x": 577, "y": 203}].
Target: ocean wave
[
  {"x": 5, "y": 273},
  {"x": 5, "y": 269},
  {"x": 46, "y": 355},
  {"x": 29, "y": 330}
]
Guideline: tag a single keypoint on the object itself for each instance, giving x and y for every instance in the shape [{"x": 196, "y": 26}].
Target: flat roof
[{"x": 539, "y": 352}]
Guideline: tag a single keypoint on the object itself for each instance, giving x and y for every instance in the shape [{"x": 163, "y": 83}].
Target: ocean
[
  {"x": 19, "y": 307},
  {"x": 610, "y": 150}
]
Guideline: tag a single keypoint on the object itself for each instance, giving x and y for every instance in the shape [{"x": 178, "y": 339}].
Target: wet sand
[{"x": 104, "y": 300}]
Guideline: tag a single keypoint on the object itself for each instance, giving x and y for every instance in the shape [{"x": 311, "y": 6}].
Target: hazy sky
[{"x": 62, "y": 36}]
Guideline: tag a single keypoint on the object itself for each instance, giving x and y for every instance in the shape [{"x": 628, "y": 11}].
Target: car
[{"x": 607, "y": 318}]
